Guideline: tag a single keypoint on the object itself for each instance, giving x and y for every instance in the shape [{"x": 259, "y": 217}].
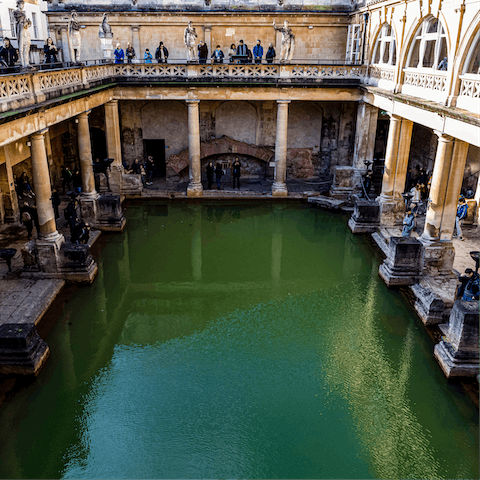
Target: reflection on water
[{"x": 249, "y": 341}]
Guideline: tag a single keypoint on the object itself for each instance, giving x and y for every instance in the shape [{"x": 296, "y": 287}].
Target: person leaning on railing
[
  {"x": 161, "y": 54},
  {"x": 231, "y": 52},
  {"x": 129, "y": 53},
  {"x": 8, "y": 54},
  {"x": 270, "y": 53},
  {"x": 50, "y": 51}
]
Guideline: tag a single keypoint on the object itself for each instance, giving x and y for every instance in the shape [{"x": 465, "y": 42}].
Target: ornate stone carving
[
  {"x": 22, "y": 24},
  {"x": 105, "y": 30},
  {"x": 190, "y": 37},
  {"x": 74, "y": 38},
  {"x": 288, "y": 41}
]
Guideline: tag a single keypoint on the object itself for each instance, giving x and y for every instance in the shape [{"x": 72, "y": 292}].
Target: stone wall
[
  {"x": 320, "y": 134},
  {"x": 422, "y": 149}
]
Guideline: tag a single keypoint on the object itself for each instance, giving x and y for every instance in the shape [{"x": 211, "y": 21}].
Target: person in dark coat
[
  {"x": 270, "y": 53},
  {"x": 66, "y": 178},
  {"x": 26, "y": 219},
  {"x": 77, "y": 181},
  {"x": 210, "y": 172},
  {"x": 219, "y": 174},
  {"x": 236, "y": 172},
  {"x": 71, "y": 215},
  {"x": 202, "y": 52},
  {"x": 136, "y": 168},
  {"x": 161, "y": 54},
  {"x": 50, "y": 51},
  {"x": 149, "y": 167},
  {"x": 56, "y": 203},
  {"x": 8, "y": 54}
]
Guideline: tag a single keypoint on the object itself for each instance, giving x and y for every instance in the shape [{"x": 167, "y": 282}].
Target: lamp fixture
[{"x": 29, "y": 144}]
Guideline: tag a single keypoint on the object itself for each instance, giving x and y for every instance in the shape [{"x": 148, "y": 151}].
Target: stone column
[
  {"x": 194, "y": 188},
  {"x": 208, "y": 38},
  {"x": 114, "y": 146},
  {"x": 365, "y": 133},
  {"x": 392, "y": 205},
  {"x": 7, "y": 184},
  {"x": 279, "y": 187},
  {"x": 65, "y": 46},
  {"x": 447, "y": 179},
  {"x": 136, "y": 43},
  {"x": 43, "y": 190},
  {"x": 85, "y": 154}
]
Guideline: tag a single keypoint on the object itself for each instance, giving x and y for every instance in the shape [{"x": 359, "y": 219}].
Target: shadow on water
[{"x": 248, "y": 340}]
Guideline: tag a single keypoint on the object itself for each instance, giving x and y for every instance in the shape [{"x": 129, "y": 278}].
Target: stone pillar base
[
  {"x": 346, "y": 182},
  {"x": 279, "y": 190},
  {"x": 437, "y": 258},
  {"x": 429, "y": 306},
  {"x": 22, "y": 351},
  {"x": 55, "y": 258},
  {"x": 458, "y": 353},
  {"x": 109, "y": 214},
  {"x": 365, "y": 217},
  {"x": 115, "y": 182},
  {"x": 392, "y": 211},
  {"x": 88, "y": 208},
  {"x": 401, "y": 267},
  {"x": 194, "y": 190}
]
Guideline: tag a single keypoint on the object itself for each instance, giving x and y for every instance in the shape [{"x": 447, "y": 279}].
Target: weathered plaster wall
[{"x": 237, "y": 120}]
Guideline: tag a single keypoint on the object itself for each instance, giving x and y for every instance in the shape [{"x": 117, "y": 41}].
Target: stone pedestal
[
  {"x": 48, "y": 253},
  {"x": 346, "y": 182},
  {"x": 402, "y": 265},
  {"x": 131, "y": 184},
  {"x": 365, "y": 217},
  {"x": 392, "y": 211},
  {"x": 107, "y": 47},
  {"x": 22, "y": 351},
  {"x": 429, "y": 306},
  {"x": 458, "y": 353},
  {"x": 77, "y": 264},
  {"x": 109, "y": 214},
  {"x": 437, "y": 258},
  {"x": 88, "y": 209}
]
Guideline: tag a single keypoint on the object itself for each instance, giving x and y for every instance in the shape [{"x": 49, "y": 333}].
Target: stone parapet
[
  {"x": 346, "y": 182},
  {"x": 458, "y": 353},
  {"x": 365, "y": 217}
]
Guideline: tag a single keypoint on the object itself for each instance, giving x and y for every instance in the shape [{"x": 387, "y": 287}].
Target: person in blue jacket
[
  {"x": 217, "y": 55},
  {"x": 147, "y": 57},
  {"x": 462, "y": 209},
  {"x": 408, "y": 223},
  {"x": 258, "y": 52},
  {"x": 119, "y": 54}
]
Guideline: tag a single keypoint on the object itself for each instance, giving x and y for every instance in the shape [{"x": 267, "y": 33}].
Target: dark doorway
[
  {"x": 156, "y": 149},
  {"x": 99, "y": 143}
]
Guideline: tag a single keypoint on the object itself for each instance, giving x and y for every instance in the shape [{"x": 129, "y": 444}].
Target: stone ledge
[{"x": 326, "y": 202}]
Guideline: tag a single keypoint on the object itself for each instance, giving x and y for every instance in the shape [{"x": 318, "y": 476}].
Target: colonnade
[{"x": 195, "y": 189}]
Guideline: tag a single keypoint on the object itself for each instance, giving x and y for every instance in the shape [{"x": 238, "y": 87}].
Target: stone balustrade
[
  {"x": 382, "y": 76},
  {"x": 469, "y": 94},
  {"x": 425, "y": 84}
]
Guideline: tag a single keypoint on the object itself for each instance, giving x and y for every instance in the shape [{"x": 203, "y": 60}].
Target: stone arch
[
  {"x": 375, "y": 37},
  {"x": 237, "y": 120},
  {"x": 304, "y": 125}
]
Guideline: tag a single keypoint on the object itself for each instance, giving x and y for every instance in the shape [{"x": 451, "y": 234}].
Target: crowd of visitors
[{"x": 218, "y": 172}]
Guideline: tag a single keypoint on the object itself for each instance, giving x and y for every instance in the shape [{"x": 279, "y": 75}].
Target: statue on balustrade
[
  {"x": 74, "y": 38},
  {"x": 105, "y": 30},
  {"x": 22, "y": 24},
  {"x": 190, "y": 37},
  {"x": 288, "y": 41}
]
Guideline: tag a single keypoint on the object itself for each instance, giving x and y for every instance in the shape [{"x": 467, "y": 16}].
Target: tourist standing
[
  {"x": 161, "y": 54},
  {"x": 202, "y": 52},
  {"x": 408, "y": 223},
  {"x": 50, "y": 51},
  {"x": 147, "y": 57},
  {"x": 242, "y": 48},
  {"x": 136, "y": 168},
  {"x": 119, "y": 54},
  {"x": 236, "y": 173},
  {"x": 71, "y": 215},
  {"x": 77, "y": 181},
  {"x": 66, "y": 178},
  {"x": 149, "y": 167},
  {"x": 27, "y": 220},
  {"x": 270, "y": 53},
  {"x": 416, "y": 192},
  {"x": 55, "y": 198},
  {"x": 219, "y": 174},
  {"x": 258, "y": 52},
  {"x": 231, "y": 52},
  {"x": 217, "y": 55},
  {"x": 130, "y": 52},
  {"x": 8, "y": 54},
  {"x": 462, "y": 209},
  {"x": 210, "y": 172}
]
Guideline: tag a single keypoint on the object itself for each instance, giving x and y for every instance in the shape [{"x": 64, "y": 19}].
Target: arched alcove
[{"x": 237, "y": 120}]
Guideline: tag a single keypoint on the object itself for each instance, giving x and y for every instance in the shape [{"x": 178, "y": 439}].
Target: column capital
[
  {"x": 135, "y": 28},
  {"x": 39, "y": 135},
  {"x": 112, "y": 103},
  {"x": 394, "y": 117},
  {"x": 443, "y": 137},
  {"x": 207, "y": 27},
  {"x": 192, "y": 102},
  {"x": 85, "y": 114},
  {"x": 283, "y": 102}
]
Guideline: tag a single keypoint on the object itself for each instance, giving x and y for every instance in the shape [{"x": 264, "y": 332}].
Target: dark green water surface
[{"x": 238, "y": 341}]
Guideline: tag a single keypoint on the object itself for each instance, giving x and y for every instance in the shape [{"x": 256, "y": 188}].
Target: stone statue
[
  {"x": 74, "y": 38},
  {"x": 190, "y": 42},
  {"x": 288, "y": 41},
  {"x": 22, "y": 25},
  {"x": 105, "y": 30}
]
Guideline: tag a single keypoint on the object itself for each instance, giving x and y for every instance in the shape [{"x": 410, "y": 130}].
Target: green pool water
[{"x": 225, "y": 340}]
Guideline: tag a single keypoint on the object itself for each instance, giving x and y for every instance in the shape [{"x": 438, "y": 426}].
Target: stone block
[
  {"x": 88, "y": 209},
  {"x": 22, "y": 351},
  {"x": 458, "y": 353},
  {"x": 346, "y": 182},
  {"x": 428, "y": 305},
  {"x": 402, "y": 265},
  {"x": 77, "y": 264},
  {"x": 437, "y": 259},
  {"x": 109, "y": 213},
  {"x": 132, "y": 184},
  {"x": 326, "y": 202},
  {"x": 365, "y": 217},
  {"x": 392, "y": 211}
]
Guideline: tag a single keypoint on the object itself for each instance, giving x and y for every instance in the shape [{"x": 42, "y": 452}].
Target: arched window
[
  {"x": 429, "y": 47},
  {"x": 384, "y": 51},
  {"x": 472, "y": 62}
]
